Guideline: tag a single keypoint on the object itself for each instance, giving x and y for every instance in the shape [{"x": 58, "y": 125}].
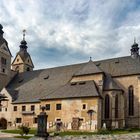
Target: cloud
[{"x": 63, "y": 32}]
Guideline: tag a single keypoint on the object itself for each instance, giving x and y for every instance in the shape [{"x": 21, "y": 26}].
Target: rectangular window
[
  {"x": 58, "y": 106},
  {"x": 23, "y": 108},
  {"x": 3, "y": 70},
  {"x": 15, "y": 108},
  {"x": 47, "y": 106},
  {"x": 5, "y": 109},
  {"x": 84, "y": 106},
  {"x": 3, "y": 61},
  {"x": 58, "y": 120},
  {"x": 32, "y": 108},
  {"x": 35, "y": 120},
  {"x": 18, "y": 120}
]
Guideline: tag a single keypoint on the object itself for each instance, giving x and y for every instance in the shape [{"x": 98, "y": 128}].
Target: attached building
[{"x": 81, "y": 96}]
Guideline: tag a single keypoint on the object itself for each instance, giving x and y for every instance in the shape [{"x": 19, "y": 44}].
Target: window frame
[
  {"x": 131, "y": 100},
  {"x": 14, "y": 108},
  {"x": 107, "y": 107},
  {"x": 59, "y": 106},
  {"x": 32, "y": 107},
  {"x": 23, "y": 108},
  {"x": 48, "y": 107},
  {"x": 116, "y": 106}
]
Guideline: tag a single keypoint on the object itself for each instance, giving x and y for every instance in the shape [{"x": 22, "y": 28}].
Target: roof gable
[
  {"x": 89, "y": 68},
  {"x": 17, "y": 60},
  {"x": 110, "y": 84},
  {"x": 28, "y": 61}
]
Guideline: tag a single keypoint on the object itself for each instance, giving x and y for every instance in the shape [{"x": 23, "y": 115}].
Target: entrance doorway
[{"x": 3, "y": 123}]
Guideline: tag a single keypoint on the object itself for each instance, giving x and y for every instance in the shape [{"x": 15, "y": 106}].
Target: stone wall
[{"x": 72, "y": 108}]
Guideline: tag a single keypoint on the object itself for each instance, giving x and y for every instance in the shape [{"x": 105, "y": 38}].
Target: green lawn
[
  {"x": 76, "y": 133},
  {"x": 17, "y": 131}
]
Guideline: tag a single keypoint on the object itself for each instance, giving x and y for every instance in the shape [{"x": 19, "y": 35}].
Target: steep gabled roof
[
  {"x": 110, "y": 84},
  {"x": 89, "y": 68},
  {"x": 120, "y": 66},
  {"x": 34, "y": 85},
  {"x": 74, "y": 90}
]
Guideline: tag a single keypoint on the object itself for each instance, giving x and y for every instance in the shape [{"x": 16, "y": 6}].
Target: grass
[
  {"x": 78, "y": 133},
  {"x": 17, "y": 131},
  {"x": 75, "y": 133}
]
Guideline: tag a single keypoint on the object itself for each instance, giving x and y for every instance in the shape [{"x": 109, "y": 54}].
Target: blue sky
[{"x": 63, "y": 32}]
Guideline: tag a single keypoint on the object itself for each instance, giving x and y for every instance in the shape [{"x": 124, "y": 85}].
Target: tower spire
[
  {"x": 134, "y": 49},
  {"x": 24, "y": 31},
  {"x": 134, "y": 40}
]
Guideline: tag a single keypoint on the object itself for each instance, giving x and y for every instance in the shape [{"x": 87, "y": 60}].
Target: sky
[{"x": 64, "y": 32}]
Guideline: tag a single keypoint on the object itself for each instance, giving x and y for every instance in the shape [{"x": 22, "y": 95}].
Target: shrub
[
  {"x": 103, "y": 132},
  {"x": 24, "y": 130}
]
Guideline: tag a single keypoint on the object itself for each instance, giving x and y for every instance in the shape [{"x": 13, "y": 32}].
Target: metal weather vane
[{"x": 24, "y": 31}]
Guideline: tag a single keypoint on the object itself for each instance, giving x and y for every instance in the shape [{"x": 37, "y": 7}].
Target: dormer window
[{"x": 17, "y": 60}]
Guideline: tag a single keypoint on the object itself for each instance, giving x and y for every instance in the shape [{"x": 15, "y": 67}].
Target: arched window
[
  {"x": 131, "y": 100},
  {"x": 116, "y": 106},
  {"x": 107, "y": 106},
  {"x": 28, "y": 69}
]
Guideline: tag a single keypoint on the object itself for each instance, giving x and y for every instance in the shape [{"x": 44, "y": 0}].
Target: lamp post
[{"x": 90, "y": 113}]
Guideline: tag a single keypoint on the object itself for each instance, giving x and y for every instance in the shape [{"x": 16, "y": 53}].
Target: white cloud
[{"x": 101, "y": 29}]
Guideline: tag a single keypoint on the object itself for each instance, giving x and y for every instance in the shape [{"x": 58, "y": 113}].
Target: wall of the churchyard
[
  {"x": 124, "y": 83},
  {"x": 73, "y": 108}
]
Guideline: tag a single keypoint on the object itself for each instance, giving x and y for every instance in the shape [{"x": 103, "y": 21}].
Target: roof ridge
[{"x": 89, "y": 68}]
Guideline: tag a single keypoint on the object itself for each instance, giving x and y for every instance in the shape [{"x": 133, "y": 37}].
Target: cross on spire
[
  {"x": 134, "y": 40},
  {"x": 24, "y": 31}
]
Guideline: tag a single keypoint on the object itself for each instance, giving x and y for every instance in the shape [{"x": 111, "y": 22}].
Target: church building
[{"x": 82, "y": 96}]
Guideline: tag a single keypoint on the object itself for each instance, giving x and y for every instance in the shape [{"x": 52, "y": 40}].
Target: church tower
[
  {"x": 134, "y": 50},
  {"x": 5, "y": 60},
  {"x": 23, "y": 61}
]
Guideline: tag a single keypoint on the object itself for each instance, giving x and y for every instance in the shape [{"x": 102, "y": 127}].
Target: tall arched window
[
  {"x": 131, "y": 100},
  {"x": 116, "y": 106},
  {"x": 107, "y": 106}
]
